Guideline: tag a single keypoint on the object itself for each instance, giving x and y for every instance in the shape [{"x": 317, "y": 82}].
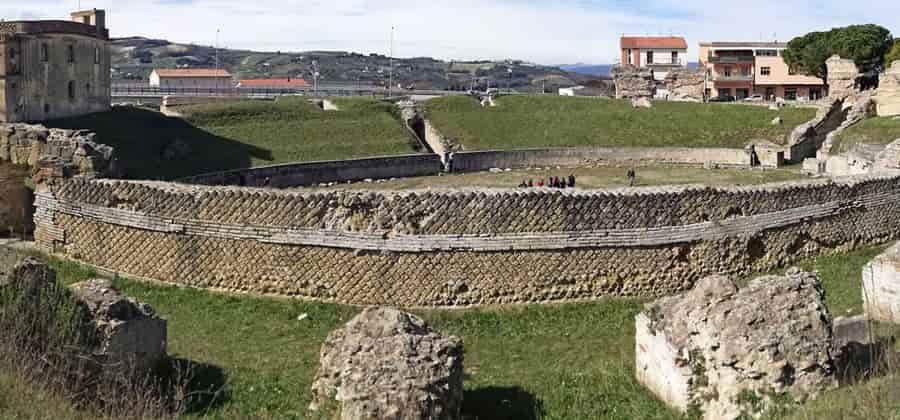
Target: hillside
[
  {"x": 535, "y": 121},
  {"x": 134, "y": 58}
]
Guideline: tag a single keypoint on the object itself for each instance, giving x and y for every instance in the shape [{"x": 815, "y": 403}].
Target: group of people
[{"x": 552, "y": 182}]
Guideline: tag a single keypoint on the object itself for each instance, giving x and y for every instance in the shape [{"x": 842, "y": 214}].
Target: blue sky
[{"x": 543, "y": 31}]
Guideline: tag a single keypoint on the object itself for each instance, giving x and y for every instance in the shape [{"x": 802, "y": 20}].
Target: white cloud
[{"x": 547, "y": 32}]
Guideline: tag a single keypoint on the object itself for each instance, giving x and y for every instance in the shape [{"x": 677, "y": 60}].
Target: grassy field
[
  {"x": 572, "y": 361},
  {"x": 556, "y": 121},
  {"x": 588, "y": 178},
  {"x": 878, "y": 130},
  {"x": 244, "y": 134}
]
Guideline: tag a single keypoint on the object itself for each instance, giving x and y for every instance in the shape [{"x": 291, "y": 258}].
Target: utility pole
[
  {"x": 315, "y": 65},
  {"x": 391, "y": 61},
  {"x": 509, "y": 73},
  {"x": 216, "y": 47}
]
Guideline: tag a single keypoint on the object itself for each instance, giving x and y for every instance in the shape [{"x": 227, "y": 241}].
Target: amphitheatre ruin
[{"x": 700, "y": 333}]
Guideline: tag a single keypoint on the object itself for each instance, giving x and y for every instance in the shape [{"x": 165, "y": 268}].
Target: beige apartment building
[
  {"x": 54, "y": 68},
  {"x": 743, "y": 69},
  {"x": 191, "y": 79}
]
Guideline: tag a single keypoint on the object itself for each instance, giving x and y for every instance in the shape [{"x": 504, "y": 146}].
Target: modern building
[
  {"x": 273, "y": 83},
  {"x": 743, "y": 69},
  {"x": 54, "y": 68},
  {"x": 191, "y": 79},
  {"x": 660, "y": 54}
]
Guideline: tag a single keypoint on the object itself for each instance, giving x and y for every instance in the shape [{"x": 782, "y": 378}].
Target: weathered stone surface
[
  {"x": 685, "y": 85},
  {"x": 807, "y": 138},
  {"x": 641, "y": 103},
  {"x": 842, "y": 76},
  {"x": 30, "y": 276},
  {"x": 888, "y": 96},
  {"x": 388, "y": 364},
  {"x": 55, "y": 153},
  {"x": 633, "y": 82},
  {"x": 718, "y": 341},
  {"x": 881, "y": 286},
  {"x": 128, "y": 332}
]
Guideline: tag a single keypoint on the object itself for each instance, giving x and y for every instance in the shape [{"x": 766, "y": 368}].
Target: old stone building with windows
[{"x": 54, "y": 68}]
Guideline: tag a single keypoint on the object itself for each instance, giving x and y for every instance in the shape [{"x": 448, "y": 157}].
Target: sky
[{"x": 540, "y": 31}]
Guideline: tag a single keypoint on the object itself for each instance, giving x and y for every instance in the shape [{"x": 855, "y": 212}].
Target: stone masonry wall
[{"x": 454, "y": 248}]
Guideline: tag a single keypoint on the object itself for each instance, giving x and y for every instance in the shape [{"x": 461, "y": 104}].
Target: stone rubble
[
  {"x": 718, "y": 344},
  {"x": 685, "y": 85},
  {"x": 632, "y": 82},
  {"x": 388, "y": 364},
  {"x": 129, "y": 333}
]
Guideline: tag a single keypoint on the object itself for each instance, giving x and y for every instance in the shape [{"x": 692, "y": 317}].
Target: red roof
[
  {"x": 273, "y": 83},
  {"x": 192, "y": 73},
  {"x": 669, "y": 42}
]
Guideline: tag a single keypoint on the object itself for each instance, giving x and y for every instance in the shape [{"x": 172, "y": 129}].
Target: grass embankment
[
  {"x": 877, "y": 130},
  {"x": 554, "y": 121},
  {"x": 587, "y": 178},
  {"x": 573, "y": 361},
  {"x": 244, "y": 134}
]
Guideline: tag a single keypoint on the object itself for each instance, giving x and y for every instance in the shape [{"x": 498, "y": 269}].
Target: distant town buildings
[
  {"x": 273, "y": 83},
  {"x": 191, "y": 79},
  {"x": 54, "y": 68},
  {"x": 660, "y": 54},
  {"x": 744, "y": 69}
]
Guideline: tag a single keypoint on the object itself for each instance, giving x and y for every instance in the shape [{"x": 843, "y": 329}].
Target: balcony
[
  {"x": 733, "y": 78},
  {"x": 665, "y": 61},
  {"x": 730, "y": 59}
]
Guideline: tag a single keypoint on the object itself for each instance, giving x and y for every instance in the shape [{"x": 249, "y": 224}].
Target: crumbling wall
[
  {"x": 686, "y": 85},
  {"x": 730, "y": 352},
  {"x": 15, "y": 205},
  {"x": 458, "y": 247},
  {"x": 808, "y": 138},
  {"x": 842, "y": 77},
  {"x": 888, "y": 96},
  {"x": 632, "y": 82}
]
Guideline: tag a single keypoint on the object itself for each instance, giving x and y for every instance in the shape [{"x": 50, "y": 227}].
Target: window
[
  {"x": 628, "y": 56},
  {"x": 727, "y": 71},
  {"x": 87, "y": 87},
  {"x": 649, "y": 57},
  {"x": 46, "y": 108},
  {"x": 766, "y": 53},
  {"x": 45, "y": 53},
  {"x": 765, "y": 71},
  {"x": 71, "y": 90},
  {"x": 675, "y": 57},
  {"x": 71, "y": 50}
]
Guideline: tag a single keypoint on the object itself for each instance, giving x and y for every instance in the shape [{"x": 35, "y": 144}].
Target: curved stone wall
[{"x": 454, "y": 248}]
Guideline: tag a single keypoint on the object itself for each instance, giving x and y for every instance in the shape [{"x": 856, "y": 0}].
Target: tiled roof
[
  {"x": 273, "y": 83},
  {"x": 674, "y": 42},
  {"x": 192, "y": 73}
]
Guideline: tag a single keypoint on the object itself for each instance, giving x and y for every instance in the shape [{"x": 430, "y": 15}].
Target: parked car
[
  {"x": 723, "y": 98},
  {"x": 754, "y": 98}
]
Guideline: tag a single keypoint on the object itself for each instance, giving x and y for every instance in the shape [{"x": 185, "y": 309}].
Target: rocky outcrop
[
  {"x": 685, "y": 85},
  {"x": 842, "y": 77},
  {"x": 730, "y": 351},
  {"x": 128, "y": 333},
  {"x": 388, "y": 364},
  {"x": 888, "y": 96},
  {"x": 632, "y": 82}
]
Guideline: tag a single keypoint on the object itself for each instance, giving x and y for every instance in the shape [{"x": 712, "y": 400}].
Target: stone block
[
  {"x": 388, "y": 364},
  {"x": 718, "y": 341},
  {"x": 881, "y": 286},
  {"x": 888, "y": 96},
  {"x": 842, "y": 76}
]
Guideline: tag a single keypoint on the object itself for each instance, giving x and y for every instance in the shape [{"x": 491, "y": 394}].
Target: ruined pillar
[
  {"x": 887, "y": 99},
  {"x": 842, "y": 75}
]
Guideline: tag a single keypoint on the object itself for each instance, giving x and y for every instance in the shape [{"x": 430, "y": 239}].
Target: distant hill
[
  {"x": 135, "y": 57},
  {"x": 599, "y": 70}
]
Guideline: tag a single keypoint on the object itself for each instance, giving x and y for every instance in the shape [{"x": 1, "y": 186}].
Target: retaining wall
[
  {"x": 576, "y": 156},
  {"x": 458, "y": 247},
  {"x": 313, "y": 173}
]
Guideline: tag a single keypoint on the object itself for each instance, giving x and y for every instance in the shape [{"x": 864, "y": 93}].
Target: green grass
[
  {"x": 877, "y": 130},
  {"x": 571, "y": 361},
  {"x": 245, "y": 134},
  {"x": 556, "y": 121}
]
